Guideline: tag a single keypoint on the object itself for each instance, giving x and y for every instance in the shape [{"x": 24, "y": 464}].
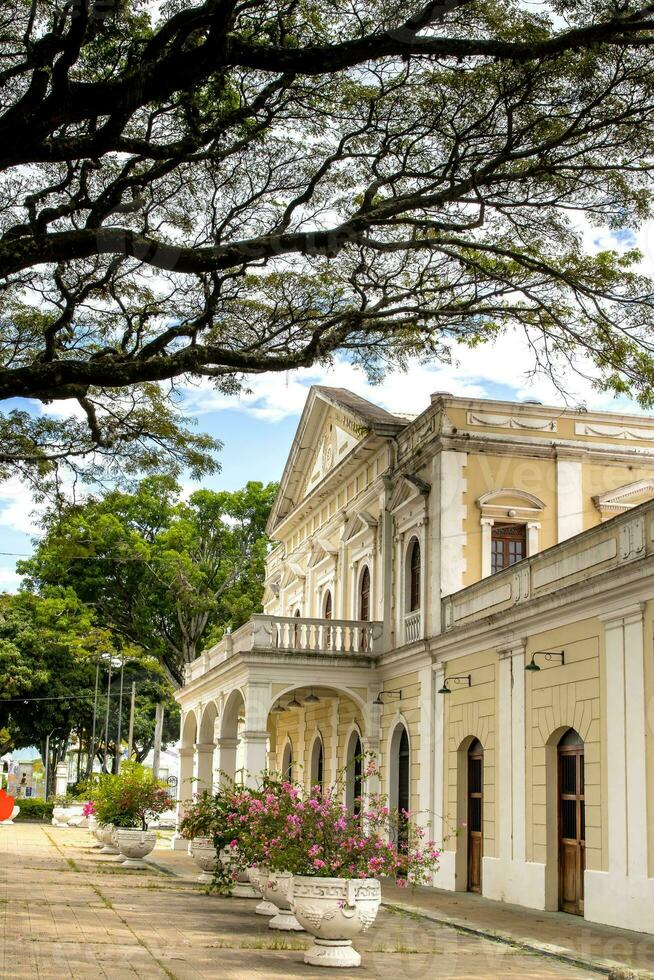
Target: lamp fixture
[
  {"x": 312, "y": 698},
  {"x": 548, "y": 654},
  {"x": 279, "y": 708},
  {"x": 380, "y": 700},
  {"x": 294, "y": 703},
  {"x": 459, "y": 678}
]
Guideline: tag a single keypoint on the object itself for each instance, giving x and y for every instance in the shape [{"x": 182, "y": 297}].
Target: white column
[
  {"x": 446, "y": 877},
  {"x": 486, "y": 547},
  {"x": 518, "y": 752},
  {"x": 453, "y": 512},
  {"x": 624, "y": 895},
  {"x": 504, "y": 761},
  {"x": 61, "y": 779},
  {"x": 255, "y": 756},
  {"x": 203, "y": 766},
  {"x": 533, "y": 527},
  {"x": 226, "y": 762},
  {"x": 569, "y": 497}
]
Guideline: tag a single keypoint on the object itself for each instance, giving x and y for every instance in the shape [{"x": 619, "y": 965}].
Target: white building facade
[{"x": 423, "y": 569}]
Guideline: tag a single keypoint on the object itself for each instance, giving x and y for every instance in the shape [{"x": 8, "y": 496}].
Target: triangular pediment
[
  {"x": 334, "y": 422},
  {"x": 623, "y": 498},
  {"x": 408, "y": 488}
]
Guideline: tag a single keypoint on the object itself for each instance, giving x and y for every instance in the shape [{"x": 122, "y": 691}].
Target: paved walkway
[{"x": 69, "y": 912}]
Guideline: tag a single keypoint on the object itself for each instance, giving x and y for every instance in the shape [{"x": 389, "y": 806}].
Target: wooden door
[
  {"x": 572, "y": 824},
  {"x": 475, "y": 815}
]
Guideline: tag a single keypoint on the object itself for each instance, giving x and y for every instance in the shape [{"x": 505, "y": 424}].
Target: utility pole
[
  {"x": 120, "y": 715},
  {"x": 130, "y": 736},
  {"x": 158, "y": 732},
  {"x": 95, "y": 713},
  {"x": 106, "y": 720}
]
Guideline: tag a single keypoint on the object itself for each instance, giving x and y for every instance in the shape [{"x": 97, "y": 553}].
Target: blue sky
[{"x": 257, "y": 427}]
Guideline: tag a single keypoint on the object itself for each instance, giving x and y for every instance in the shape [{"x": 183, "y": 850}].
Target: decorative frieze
[
  {"x": 511, "y": 422},
  {"x": 626, "y": 432}
]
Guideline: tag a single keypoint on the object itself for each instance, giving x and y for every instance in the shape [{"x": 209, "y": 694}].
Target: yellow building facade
[{"x": 466, "y": 595}]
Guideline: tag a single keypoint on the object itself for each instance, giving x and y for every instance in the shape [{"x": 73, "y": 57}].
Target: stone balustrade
[
  {"x": 412, "y": 630},
  {"x": 291, "y": 634}
]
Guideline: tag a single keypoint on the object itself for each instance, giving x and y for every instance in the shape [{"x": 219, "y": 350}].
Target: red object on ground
[{"x": 7, "y": 804}]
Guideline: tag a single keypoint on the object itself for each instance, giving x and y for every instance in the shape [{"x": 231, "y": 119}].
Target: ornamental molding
[
  {"x": 627, "y": 432},
  {"x": 512, "y": 422},
  {"x": 618, "y": 501},
  {"x": 490, "y": 506}
]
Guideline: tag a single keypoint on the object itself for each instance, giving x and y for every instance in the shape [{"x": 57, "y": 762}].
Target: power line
[{"x": 59, "y": 697}]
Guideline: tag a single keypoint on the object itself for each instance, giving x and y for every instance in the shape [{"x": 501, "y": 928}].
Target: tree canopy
[
  {"x": 50, "y": 646},
  {"x": 205, "y": 190},
  {"x": 162, "y": 573}
]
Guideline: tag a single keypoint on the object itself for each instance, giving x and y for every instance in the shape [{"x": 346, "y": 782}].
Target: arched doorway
[
  {"x": 296, "y": 630},
  {"x": 572, "y": 822},
  {"x": 414, "y": 576},
  {"x": 364, "y": 604},
  {"x": 327, "y": 614},
  {"x": 400, "y": 778},
  {"x": 475, "y": 814}
]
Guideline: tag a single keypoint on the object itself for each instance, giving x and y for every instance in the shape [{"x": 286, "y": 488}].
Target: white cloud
[
  {"x": 9, "y": 580},
  {"x": 474, "y": 372},
  {"x": 17, "y": 508}
]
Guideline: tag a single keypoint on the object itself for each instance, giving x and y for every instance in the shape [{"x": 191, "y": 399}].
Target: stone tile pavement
[{"x": 69, "y": 912}]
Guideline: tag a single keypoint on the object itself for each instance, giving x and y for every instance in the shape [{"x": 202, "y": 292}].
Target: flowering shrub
[
  {"x": 89, "y": 809},
  {"x": 280, "y": 827},
  {"x": 130, "y": 798}
]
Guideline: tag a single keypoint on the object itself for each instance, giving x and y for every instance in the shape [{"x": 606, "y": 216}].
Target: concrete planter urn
[
  {"x": 134, "y": 845},
  {"x": 93, "y": 831},
  {"x": 334, "y": 911},
  {"x": 257, "y": 877},
  {"x": 118, "y": 857},
  {"x": 203, "y": 852},
  {"x": 242, "y": 887},
  {"x": 69, "y": 816},
  {"x": 59, "y": 816},
  {"x": 10, "y": 819},
  {"x": 276, "y": 889},
  {"x": 106, "y": 832}
]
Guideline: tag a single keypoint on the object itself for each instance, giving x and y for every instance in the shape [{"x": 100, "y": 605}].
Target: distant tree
[
  {"x": 49, "y": 649},
  {"x": 202, "y": 190},
  {"x": 160, "y": 571}
]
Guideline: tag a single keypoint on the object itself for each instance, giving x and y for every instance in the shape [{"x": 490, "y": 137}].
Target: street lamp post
[{"x": 106, "y": 720}]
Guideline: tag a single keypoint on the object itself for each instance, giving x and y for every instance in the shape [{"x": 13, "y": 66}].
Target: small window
[
  {"x": 317, "y": 764},
  {"x": 414, "y": 576},
  {"x": 328, "y": 605},
  {"x": 508, "y": 545}
]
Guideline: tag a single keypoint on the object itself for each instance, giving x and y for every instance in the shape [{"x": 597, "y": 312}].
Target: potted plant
[
  {"x": 200, "y": 827},
  {"x": 335, "y": 857},
  {"x": 124, "y": 804}
]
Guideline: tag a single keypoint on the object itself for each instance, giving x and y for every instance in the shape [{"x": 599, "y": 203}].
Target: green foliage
[
  {"x": 163, "y": 573},
  {"x": 129, "y": 799},
  {"x": 35, "y": 809}
]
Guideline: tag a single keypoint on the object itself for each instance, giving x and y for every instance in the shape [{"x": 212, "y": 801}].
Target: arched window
[
  {"x": 317, "y": 763},
  {"x": 400, "y": 779},
  {"x": 508, "y": 545},
  {"x": 296, "y": 630},
  {"x": 414, "y": 576},
  {"x": 287, "y": 762},
  {"x": 354, "y": 782},
  {"x": 327, "y": 614},
  {"x": 364, "y": 596}
]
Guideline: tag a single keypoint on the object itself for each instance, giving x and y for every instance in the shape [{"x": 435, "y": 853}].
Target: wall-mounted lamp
[
  {"x": 380, "y": 697},
  {"x": 459, "y": 679},
  {"x": 312, "y": 698},
  {"x": 548, "y": 654}
]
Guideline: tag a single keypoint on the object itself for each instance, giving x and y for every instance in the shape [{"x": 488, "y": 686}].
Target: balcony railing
[
  {"x": 412, "y": 626},
  {"x": 292, "y": 634}
]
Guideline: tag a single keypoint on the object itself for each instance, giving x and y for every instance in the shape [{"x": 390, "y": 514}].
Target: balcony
[
  {"x": 291, "y": 634},
  {"x": 412, "y": 630}
]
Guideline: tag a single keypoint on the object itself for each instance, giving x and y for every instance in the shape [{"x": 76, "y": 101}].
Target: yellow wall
[
  {"x": 597, "y": 478},
  {"x": 557, "y": 698},
  {"x": 648, "y": 650},
  {"x": 406, "y": 709},
  {"x": 470, "y": 713}
]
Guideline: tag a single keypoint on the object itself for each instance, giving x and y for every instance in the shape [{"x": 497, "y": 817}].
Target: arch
[
  {"x": 327, "y": 604},
  {"x": 413, "y": 575},
  {"x": 355, "y": 698},
  {"x": 365, "y": 604},
  {"x": 287, "y": 760},
  {"x": 528, "y": 500},
  {"x": 354, "y": 774},
  {"x": 208, "y": 723},
  {"x": 234, "y": 709},
  {"x": 189, "y": 729},
  {"x": 317, "y": 769}
]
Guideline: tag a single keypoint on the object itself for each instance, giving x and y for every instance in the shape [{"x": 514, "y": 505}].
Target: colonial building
[{"x": 468, "y": 595}]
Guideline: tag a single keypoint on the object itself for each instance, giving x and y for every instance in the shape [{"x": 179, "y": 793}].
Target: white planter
[
  {"x": 59, "y": 817},
  {"x": 242, "y": 887},
  {"x": 93, "y": 831},
  {"x": 257, "y": 876},
  {"x": 334, "y": 911},
  {"x": 135, "y": 844},
  {"x": 203, "y": 852},
  {"x": 69, "y": 816},
  {"x": 105, "y": 836},
  {"x": 276, "y": 887},
  {"x": 118, "y": 857}
]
